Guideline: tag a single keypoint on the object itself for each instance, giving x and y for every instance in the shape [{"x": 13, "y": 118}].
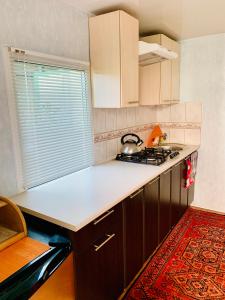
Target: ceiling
[{"x": 179, "y": 19}]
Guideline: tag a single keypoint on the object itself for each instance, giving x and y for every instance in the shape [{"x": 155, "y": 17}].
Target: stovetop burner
[{"x": 151, "y": 156}]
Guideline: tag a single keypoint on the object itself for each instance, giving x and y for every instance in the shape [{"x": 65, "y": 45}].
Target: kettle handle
[{"x": 138, "y": 142}]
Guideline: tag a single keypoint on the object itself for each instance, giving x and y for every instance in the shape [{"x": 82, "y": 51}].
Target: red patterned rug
[{"x": 190, "y": 264}]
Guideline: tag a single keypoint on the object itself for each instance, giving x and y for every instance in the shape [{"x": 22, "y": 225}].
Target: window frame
[{"x": 45, "y": 59}]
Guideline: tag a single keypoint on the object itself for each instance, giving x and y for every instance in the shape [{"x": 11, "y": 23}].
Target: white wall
[
  {"x": 47, "y": 26},
  {"x": 50, "y": 26},
  {"x": 203, "y": 79}
]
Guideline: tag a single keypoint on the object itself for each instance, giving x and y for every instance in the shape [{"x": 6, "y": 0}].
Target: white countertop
[{"x": 77, "y": 199}]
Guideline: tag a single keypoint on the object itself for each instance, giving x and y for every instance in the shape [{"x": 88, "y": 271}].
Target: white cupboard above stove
[
  {"x": 160, "y": 82},
  {"x": 114, "y": 60}
]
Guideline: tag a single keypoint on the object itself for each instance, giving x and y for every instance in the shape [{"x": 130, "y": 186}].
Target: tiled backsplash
[
  {"x": 106, "y": 120},
  {"x": 181, "y": 122}
]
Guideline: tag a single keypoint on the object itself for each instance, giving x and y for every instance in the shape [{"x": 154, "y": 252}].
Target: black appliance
[{"x": 26, "y": 281}]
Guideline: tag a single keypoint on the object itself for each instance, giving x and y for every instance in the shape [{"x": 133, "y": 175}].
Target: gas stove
[{"x": 148, "y": 156}]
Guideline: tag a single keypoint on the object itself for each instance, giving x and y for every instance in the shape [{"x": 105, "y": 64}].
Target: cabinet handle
[
  {"x": 109, "y": 237},
  {"x": 167, "y": 100},
  {"x": 132, "y": 102},
  {"x": 135, "y": 194},
  {"x": 103, "y": 217}
]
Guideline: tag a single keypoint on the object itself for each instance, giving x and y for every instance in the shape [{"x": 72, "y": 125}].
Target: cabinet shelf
[
  {"x": 6, "y": 233},
  {"x": 12, "y": 223}
]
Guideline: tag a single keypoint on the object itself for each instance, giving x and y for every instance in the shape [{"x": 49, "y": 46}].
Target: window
[{"x": 53, "y": 115}]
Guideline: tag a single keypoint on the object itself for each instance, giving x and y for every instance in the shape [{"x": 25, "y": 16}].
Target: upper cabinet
[
  {"x": 160, "y": 82},
  {"x": 114, "y": 60}
]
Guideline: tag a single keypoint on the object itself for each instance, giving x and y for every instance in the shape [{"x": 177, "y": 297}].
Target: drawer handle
[
  {"x": 109, "y": 237},
  {"x": 103, "y": 217},
  {"x": 135, "y": 194}
]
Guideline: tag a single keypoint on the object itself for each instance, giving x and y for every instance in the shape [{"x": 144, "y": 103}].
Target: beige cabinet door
[
  {"x": 175, "y": 74},
  {"x": 114, "y": 59},
  {"x": 150, "y": 84},
  {"x": 105, "y": 60},
  {"x": 165, "y": 90},
  {"x": 129, "y": 36},
  {"x": 166, "y": 42},
  {"x": 169, "y": 73}
]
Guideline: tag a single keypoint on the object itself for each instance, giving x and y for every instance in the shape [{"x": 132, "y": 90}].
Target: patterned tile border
[
  {"x": 110, "y": 135},
  {"x": 182, "y": 125}
]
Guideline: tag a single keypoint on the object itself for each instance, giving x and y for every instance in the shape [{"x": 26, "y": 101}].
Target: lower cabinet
[
  {"x": 151, "y": 217},
  {"x": 110, "y": 251},
  {"x": 133, "y": 235},
  {"x": 164, "y": 205},
  {"x": 98, "y": 257}
]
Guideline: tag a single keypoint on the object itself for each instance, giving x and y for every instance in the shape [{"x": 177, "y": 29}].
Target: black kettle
[{"x": 132, "y": 145}]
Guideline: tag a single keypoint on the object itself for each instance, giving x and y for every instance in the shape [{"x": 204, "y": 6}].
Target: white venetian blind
[{"x": 54, "y": 116}]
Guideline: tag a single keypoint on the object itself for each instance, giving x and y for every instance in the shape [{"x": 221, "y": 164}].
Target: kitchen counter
[{"x": 75, "y": 200}]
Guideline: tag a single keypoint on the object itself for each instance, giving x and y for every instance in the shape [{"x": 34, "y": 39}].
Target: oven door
[{"x": 33, "y": 278}]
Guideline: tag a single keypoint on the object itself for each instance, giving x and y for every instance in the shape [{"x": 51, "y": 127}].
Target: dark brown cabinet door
[
  {"x": 151, "y": 206},
  {"x": 191, "y": 194},
  {"x": 99, "y": 261},
  {"x": 192, "y": 187},
  {"x": 133, "y": 237},
  {"x": 101, "y": 272},
  {"x": 164, "y": 205},
  {"x": 183, "y": 190},
  {"x": 175, "y": 194}
]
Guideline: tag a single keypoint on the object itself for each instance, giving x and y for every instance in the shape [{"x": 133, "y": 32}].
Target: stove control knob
[{"x": 174, "y": 154}]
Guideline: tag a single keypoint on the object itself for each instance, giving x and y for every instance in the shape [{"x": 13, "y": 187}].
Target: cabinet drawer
[{"x": 107, "y": 224}]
